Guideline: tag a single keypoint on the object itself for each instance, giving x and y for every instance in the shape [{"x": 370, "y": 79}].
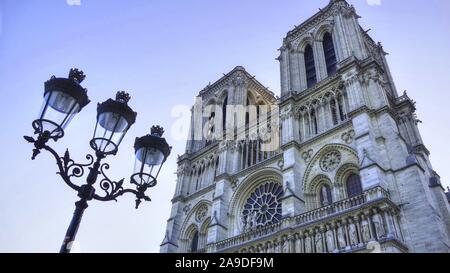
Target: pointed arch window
[
  {"x": 247, "y": 114},
  {"x": 310, "y": 66},
  {"x": 224, "y": 113},
  {"x": 211, "y": 129},
  {"x": 194, "y": 243},
  {"x": 353, "y": 185},
  {"x": 330, "y": 54}
]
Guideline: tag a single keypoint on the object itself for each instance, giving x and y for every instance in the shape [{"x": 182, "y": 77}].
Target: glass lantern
[
  {"x": 114, "y": 119},
  {"x": 151, "y": 153},
  {"x": 63, "y": 99}
]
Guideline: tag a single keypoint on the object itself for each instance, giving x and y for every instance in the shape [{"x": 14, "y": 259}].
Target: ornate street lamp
[{"x": 63, "y": 98}]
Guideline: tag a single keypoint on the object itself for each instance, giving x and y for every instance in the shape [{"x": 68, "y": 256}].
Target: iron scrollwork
[{"x": 69, "y": 169}]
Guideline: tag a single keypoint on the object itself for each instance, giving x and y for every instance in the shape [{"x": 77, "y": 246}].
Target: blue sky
[{"x": 164, "y": 52}]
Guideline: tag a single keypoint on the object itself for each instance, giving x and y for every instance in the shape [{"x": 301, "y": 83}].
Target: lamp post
[{"x": 63, "y": 99}]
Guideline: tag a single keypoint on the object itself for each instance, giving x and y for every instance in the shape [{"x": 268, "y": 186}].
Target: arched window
[
  {"x": 194, "y": 243},
  {"x": 330, "y": 54},
  {"x": 263, "y": 206},
  {"x": 247, "y": 113},
  {"x": 211, "y": 128},
  {"x": 224, "y": 112},
  {"x": 353, "y": 185},
  {"x": 325, "y": 195},
  {"x": 310, "y": 67}
]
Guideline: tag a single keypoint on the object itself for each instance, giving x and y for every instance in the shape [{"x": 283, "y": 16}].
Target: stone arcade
[{"x": 349, "y": 171}]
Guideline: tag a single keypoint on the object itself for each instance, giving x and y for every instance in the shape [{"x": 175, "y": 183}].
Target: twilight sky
[{"x": 164, "y": 52}]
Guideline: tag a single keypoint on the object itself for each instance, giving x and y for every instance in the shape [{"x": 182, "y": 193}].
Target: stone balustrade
[{"x": 345, "y": 225}]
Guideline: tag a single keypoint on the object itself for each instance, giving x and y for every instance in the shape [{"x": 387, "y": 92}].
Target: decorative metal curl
[
  {"x": 68, "y": 169},
  {"x": 72, "y": 169},
  {"x": 110, "y": 187}
]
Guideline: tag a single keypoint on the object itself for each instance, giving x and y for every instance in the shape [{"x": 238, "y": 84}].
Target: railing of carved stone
[
  {"x": 257, "y": 233},
  {"x": 308, "y": 217},
  {"x": 201, "y": 250},
  {"x": 341, "y": 206}
]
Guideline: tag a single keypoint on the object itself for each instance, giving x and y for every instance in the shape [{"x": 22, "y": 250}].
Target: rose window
[
  {"x": 330, "y": 161},
  {"x": 201, "y": 213},
  {"x": 263, "y": 207}
]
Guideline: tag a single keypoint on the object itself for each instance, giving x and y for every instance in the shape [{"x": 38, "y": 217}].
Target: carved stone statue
[
  {"x": 341, "y": 236},
  {"x": 269, "y": 248},
  {"x": 308, "y": 245},
  {"x": 319, "y": 243},
  {"x": 254, "y": 221},
  {"x": 378, "y": 223},
  {"x": 245, "y": 226},
  {"x": 298, "y": 244},
  {"x": 325, "y": 202},
  {"x": 353, "y": 233},
  {"x": 260, "y": 249},
  {"x": 285, "y": 246},
  {"x": 330, "y": 240},
  {"x": 277, "y": 247},
  {"x": 365, "y": 230}
]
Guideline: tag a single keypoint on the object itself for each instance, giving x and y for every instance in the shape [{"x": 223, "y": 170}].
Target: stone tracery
[{"x": 263, "y": 206}]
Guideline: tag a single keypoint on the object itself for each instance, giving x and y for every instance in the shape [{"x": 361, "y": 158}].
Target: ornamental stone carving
[
  {"x": 307, "y": 155},
  {"x": 201, "y": 213},
  {"x": 378, "y": 224},
  {"x": 330, "y": 161},
  {"x": 341, "y": 236},
  {"x": 308, "y": 245},
  {"x": 330, "y": 240},
  {"x": 263, "y": 206},
  {"x": 348, "y": 137},
  {"x": 353, "y": 233},
  {"x": 365, "y": 230},
  {"x": 319, "y": 245},
  {"x": 187, "y": 208}
]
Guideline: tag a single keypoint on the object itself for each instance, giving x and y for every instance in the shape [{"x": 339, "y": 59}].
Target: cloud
[
  {"x": 374, "y": 2},
  {"x": 73, "y": 2}
]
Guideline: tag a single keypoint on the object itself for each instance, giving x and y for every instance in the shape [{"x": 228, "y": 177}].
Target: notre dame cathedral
[{"x": 335, "y": 164}]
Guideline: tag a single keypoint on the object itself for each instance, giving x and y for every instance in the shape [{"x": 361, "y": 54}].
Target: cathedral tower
[{"x": 336, "y": 164}]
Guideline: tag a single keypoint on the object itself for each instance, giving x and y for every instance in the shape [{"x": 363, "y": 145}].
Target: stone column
[
  {"x": 284, "y": 71},
  {"x": 294, "y": 70},
  {"x": 319, "y": 58},
  {"x": 292, "y": 201},
  {"x": 302, "y": 70}
]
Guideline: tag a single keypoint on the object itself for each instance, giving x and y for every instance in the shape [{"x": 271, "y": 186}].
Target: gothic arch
[
  {"x": 211, "y": 101},
  {"x": 221, "y": 97},
  {"x": 348, "y": 155},
  {"x": 317, "y": 181},
  {"x": 246, "y": 187},
  {"x": 190, "y": 221},
  {"x": 308, "y": 40},
  {"x": 312, "y": 195},
  {"x": 322, "y": 30},
  {"x": 341, "y": 177},
  {"x": 187, "y": 237},
  {"x": 251, "y": 97}
]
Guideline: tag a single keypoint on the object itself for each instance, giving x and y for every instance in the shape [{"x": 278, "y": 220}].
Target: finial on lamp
[
  {"x": 157, "y": 130},
  {"x": 76, "y": 75},
  {"x": 123, "y": 97}
]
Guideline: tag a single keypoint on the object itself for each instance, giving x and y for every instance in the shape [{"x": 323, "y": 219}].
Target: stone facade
[{"x": 348, "y": 172}]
